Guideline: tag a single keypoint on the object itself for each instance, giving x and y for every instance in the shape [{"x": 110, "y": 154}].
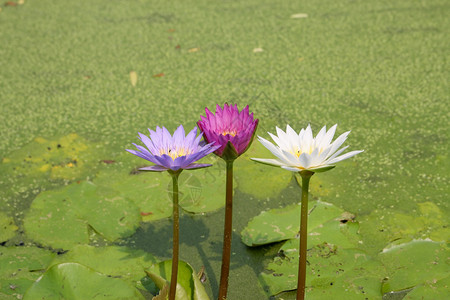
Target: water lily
[
  {"x": 305, "y": 154},
  {"x": 301, "y": 151},
  {"x": 173, "y": 154},
  {"x": 234, "y": 132}
]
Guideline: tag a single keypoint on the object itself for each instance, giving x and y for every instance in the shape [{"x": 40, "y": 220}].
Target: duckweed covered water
[{"x": 69, "y": 109}]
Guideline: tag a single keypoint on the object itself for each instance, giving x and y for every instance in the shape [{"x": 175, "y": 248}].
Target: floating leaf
[
  {"x": 147, "y": 190},
  {"x": 133, "y": 78},
  {"x": 434, "y": 289},
  {"x": 60, "y": 218},
  {"x": 189, "y": 286},
  {"x": 379, "y": 229},
  {"x": 414, "y": 263},
  {"x": 251, "y": 176},
  {"x": 115, "y": 261},
  {"x": 203, "y": 190},
  {"x": 70, "y": 157},
  {"x": 332, "y": 272},
  {"x": 75, "y": 281},
  {"x": 20, "y": 267},
  {"x": 7, "y": 227},
  {"x": 283, "y": 223}
]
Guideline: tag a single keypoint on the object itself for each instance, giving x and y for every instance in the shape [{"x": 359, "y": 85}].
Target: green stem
[
  {"x": 306, "y": 175},
  {"x": 176, "y": 230},
  {"x": 226, "y": 253}
]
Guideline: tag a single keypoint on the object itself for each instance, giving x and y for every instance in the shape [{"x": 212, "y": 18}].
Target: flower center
[
  {"x": 174, "y": 153},
  {"x": 299, "y": 152},
  {"x": 230, "y": 132}
]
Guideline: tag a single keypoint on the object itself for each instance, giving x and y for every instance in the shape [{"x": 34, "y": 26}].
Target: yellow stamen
[
  {"x": 232, "y": 133},
  {"x": 174, "y": 153}
]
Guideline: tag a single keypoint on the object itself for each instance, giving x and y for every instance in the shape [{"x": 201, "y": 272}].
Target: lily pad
[
  {"x": 250, "y": 175},
  {"x": 434, "y": 289},
  {"x": 20, "y": 267},
  {"x": 7, "y": 227},
  {"x": 189, "y": 286},
  {"x": 381, "y": 228},
  {"x": 414, "y": 263},
  {"x": 203, "y": 190},
  {"x": 68, "y": 157},
  {"x": 75, "y": 281},
  {"x": 332, "y": 272},
  {"x": 200, "y": 190},
  {"x": 60, "y": 218},
  {"x": 283, "y": 223},
  {"x": 118, "y": 262}
]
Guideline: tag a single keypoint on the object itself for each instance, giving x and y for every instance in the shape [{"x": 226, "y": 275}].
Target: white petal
[
  {"x": 272, "y": 162},
  {"x": 305, "y": 160},
  {"x": 345, "y": 156},
  {"x": 336, "y": 154},
  {"x": 291, "y": 169},
  {"x": 281, "y": 143},
  {"x": 320, "y": 136},
  {"x": 275, "y": 151},
  {"x": 291, "y": 158},
  {"x": 308, "y": 136},
  {"x": 338, "y": 142},
  {"x": 326, "y": 140}
]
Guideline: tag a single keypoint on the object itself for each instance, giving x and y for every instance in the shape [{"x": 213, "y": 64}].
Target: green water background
[{"x": 378, "y": 68}]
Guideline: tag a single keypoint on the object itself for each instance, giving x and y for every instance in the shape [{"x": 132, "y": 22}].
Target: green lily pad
[
  {"x": 414, "y": 263},
  {"x": 435, "y": 289},
  {"x": 189, "y": 286},
  {"x": 251, "y": 176},
  {"x": 20, "y": 267},
  {"x": 118, "y": 262},
  {"x": 60, "y": 218},
  {"x": 283, "y": 223},
  {"x": 7, "y": 227},
  {"x": 69, "y": 157},
  {"x": 203, "y": 190},
  {"x": 200, "y": 190},
  {"x": 332, "y": 272},
  {"x": 381, "y": 228},
  {"x": 148, "y": 191},
  {"x": 75, "y": 281}
]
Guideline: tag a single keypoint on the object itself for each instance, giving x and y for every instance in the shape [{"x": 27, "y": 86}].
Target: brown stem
[
  {"x": 176, "y": 230},
  {"x": 226, "y": 253},
  {"x": 306, "y": 175}
]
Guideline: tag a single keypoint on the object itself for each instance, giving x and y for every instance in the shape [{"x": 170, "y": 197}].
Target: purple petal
[
  {"x": 154, "y": 169},
  {"x": 197, "y": 166}
]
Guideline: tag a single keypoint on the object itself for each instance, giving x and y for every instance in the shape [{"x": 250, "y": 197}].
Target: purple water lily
[
  {"x": 173, "y": 153},
  {"x": 230, "y": 129}
]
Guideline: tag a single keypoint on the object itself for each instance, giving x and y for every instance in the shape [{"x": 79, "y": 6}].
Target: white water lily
[{"x": 300, "y": 152}]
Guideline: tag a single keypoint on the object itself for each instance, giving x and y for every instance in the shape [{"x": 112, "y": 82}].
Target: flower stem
[
  {"x": 176, "y": 230},
  {"x": 226, "y": 253},
  {"x": 306, "y": 175}
]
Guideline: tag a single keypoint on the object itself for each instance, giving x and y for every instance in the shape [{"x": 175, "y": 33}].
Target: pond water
[{"x": 79, "y": 79}]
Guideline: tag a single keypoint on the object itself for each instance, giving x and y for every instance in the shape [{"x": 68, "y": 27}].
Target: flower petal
[
  {"x": 154, "y": 169},
  {"x": 345, "y": 156},
  {"x": 269, "y": 161}
]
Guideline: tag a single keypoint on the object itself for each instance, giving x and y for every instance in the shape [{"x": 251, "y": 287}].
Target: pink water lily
[{"x": 232, "y": 130}]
